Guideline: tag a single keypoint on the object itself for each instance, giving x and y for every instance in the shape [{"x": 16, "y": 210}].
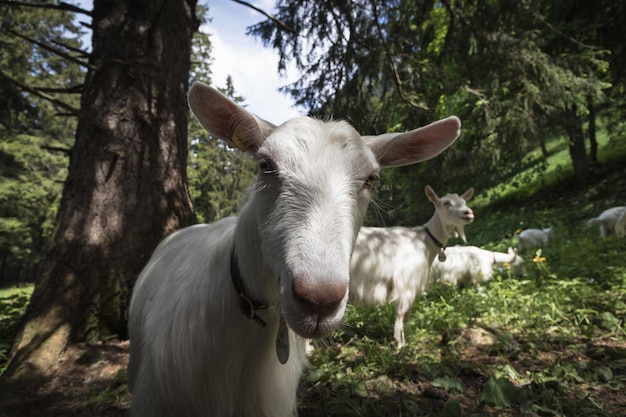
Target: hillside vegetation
[{"x": 552, "y": 343}]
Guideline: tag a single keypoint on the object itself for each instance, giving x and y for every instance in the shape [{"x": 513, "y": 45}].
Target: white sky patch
[{"x": 253, "y": 67}]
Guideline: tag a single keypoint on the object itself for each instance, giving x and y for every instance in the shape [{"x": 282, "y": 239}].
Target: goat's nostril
[{"x": 321, "y": 297}]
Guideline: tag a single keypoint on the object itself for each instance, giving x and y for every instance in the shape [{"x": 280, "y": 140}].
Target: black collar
[
  {"x": 442, "y": 248},
  {"x": 246, "y": 304},
  {"x": 437, "y": 242}
]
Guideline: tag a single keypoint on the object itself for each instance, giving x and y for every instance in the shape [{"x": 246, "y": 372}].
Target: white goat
[
  {"x": 608, "y": 220},
  {"x": 391, "y": 264},
  {"x": 219, "y": 315},
  {"x": 620, "y": 226},
  {"x": 471, "y": 265},
  {"x": 534, "y": 238}
]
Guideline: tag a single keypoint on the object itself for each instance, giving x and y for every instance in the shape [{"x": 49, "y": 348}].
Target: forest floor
[
  {"x": 91, "y": 381},
  {"x": 86, "y": 381}
]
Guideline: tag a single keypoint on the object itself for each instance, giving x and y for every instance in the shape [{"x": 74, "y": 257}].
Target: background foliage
[{"x": 39, "y": 54}]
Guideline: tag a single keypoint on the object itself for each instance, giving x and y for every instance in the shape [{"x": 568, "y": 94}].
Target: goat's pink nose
[{"x": 320, "y": 297}]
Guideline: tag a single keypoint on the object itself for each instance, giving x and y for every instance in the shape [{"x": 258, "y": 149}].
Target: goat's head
[
  {"x": 452, "y": 210},
  {"x": 518, "y": 268},
  {"x": 310, "y": 197},
  {"x": 548, "y": 231}
]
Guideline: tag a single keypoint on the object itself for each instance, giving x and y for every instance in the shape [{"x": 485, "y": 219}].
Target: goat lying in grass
[
  {"x": 534, "y": 238},
  {"x": 470, "y": 265},
  {"x": 609, "y": 220},
  {"x": 219, "y": 315},
  {"x": 391, "y": 264}
]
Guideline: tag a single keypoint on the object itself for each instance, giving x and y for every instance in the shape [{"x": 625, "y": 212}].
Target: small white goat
[
  {"x": 391, "y": 264},
  {"x": 534, "y": 238},
  {"x": 219, "y": 315},
  {"x": 471, "y": 265},
  {"x": 620, "y": 226},
  {"x": 608, "y": 221}
]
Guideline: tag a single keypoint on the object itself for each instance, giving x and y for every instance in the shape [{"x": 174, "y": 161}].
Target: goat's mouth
[
  {"x": 468, "y": 218},
  {"x": 314, "y": 322},
  {"x": 314, "y": 304}
]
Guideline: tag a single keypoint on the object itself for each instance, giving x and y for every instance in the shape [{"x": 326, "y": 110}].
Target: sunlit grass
[
  {"x": 548, "y": 172},
  {"x": 13, "y": 302}
]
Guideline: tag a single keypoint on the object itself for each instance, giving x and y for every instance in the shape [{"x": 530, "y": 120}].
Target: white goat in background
[
  {"x": 219, "y": 315},
  {"x": 471, "y": 265},
  {"x": 534, "y": 238},
  {"x": 392, "y": 264},
  {"x": 609, "y": 220},
  {"x": 620, "y": 226}
]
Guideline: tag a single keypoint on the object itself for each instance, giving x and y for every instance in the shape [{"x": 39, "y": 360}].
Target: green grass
[
  {"x": 545, "y": 174},
  {"x": 13, "y": 302},
  {"x": 550, "y": 344}
]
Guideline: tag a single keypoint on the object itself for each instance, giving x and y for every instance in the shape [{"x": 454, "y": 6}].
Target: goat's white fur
[
  {"x": 470, "y": 265},
  {"x": 534, "y": 238},
  {"x": 391, "y": 264},
  {"x": 193, "y": 352},
  {"x": 620, "y": 226},
  {"x": 610, "y": 221}
]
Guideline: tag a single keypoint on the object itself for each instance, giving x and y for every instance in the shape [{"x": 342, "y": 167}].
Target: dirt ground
[{"x": 87, "y": 381}]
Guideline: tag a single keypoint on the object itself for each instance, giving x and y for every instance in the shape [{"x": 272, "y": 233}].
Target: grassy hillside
[{"x": 552, "y": 343}]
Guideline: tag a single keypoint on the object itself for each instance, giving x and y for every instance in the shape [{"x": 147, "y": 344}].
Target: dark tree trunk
[
  {"x": 126, "y": 187},
  {"x": 573, "y": 126},
  {"x": 593, "y": 142}
]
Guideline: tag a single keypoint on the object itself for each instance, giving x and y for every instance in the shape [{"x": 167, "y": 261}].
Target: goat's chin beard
[
  {"x": 311, "y": 327},
  {"x": 460, "y": 232}
]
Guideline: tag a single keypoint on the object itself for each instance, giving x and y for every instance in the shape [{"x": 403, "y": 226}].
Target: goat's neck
[
  {"x": 500, "y": 258},
  {"x": 255, "y": 272},
  {"x": 440, "y": 231}
]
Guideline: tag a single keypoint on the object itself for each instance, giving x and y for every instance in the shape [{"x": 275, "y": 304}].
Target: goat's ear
[
  {"x": 468, "y": 194},
  {"x": 431, "y": 194},
  {"x": 223, "y": 118},
  {"x": 397, "y": 149}
]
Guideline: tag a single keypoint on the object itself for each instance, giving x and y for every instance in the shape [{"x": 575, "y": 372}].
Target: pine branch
[
  {"x": 76, "y": 89},
  {"x": 53, "y": 50},
  {"x": 66, "y": 151},
  {"x": 393, "y": 67},
  {"x": 61, "y": 6},
  {"x": 279, "y": 22},
  {"x": 71, "y": 48},
  {"x": 36, "y": 92}
]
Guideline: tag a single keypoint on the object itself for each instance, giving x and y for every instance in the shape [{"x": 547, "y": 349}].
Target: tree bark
[
  {"x": 573, "y": 126},
  {"x": 126, "y": 187},
  {"x": 593, "y": 141}
]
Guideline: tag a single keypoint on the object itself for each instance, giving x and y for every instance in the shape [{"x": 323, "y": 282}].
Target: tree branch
[
  {"x": 72, "y": 112},
  {"x": 278, "y": 22},
  {"x": 66, "y": 151},
  {"x": 394, "y": 69},
  {"x": 53, "y": 50},
  {"x": 76, "y": 89},
  {"x": 40, "y": 94},
  {"x": 61, "y": 6}
]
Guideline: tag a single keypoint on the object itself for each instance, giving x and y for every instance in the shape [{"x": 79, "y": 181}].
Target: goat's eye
[
  {"x": 266, "y": 166},
  {"x": 369, "y": 182}
]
